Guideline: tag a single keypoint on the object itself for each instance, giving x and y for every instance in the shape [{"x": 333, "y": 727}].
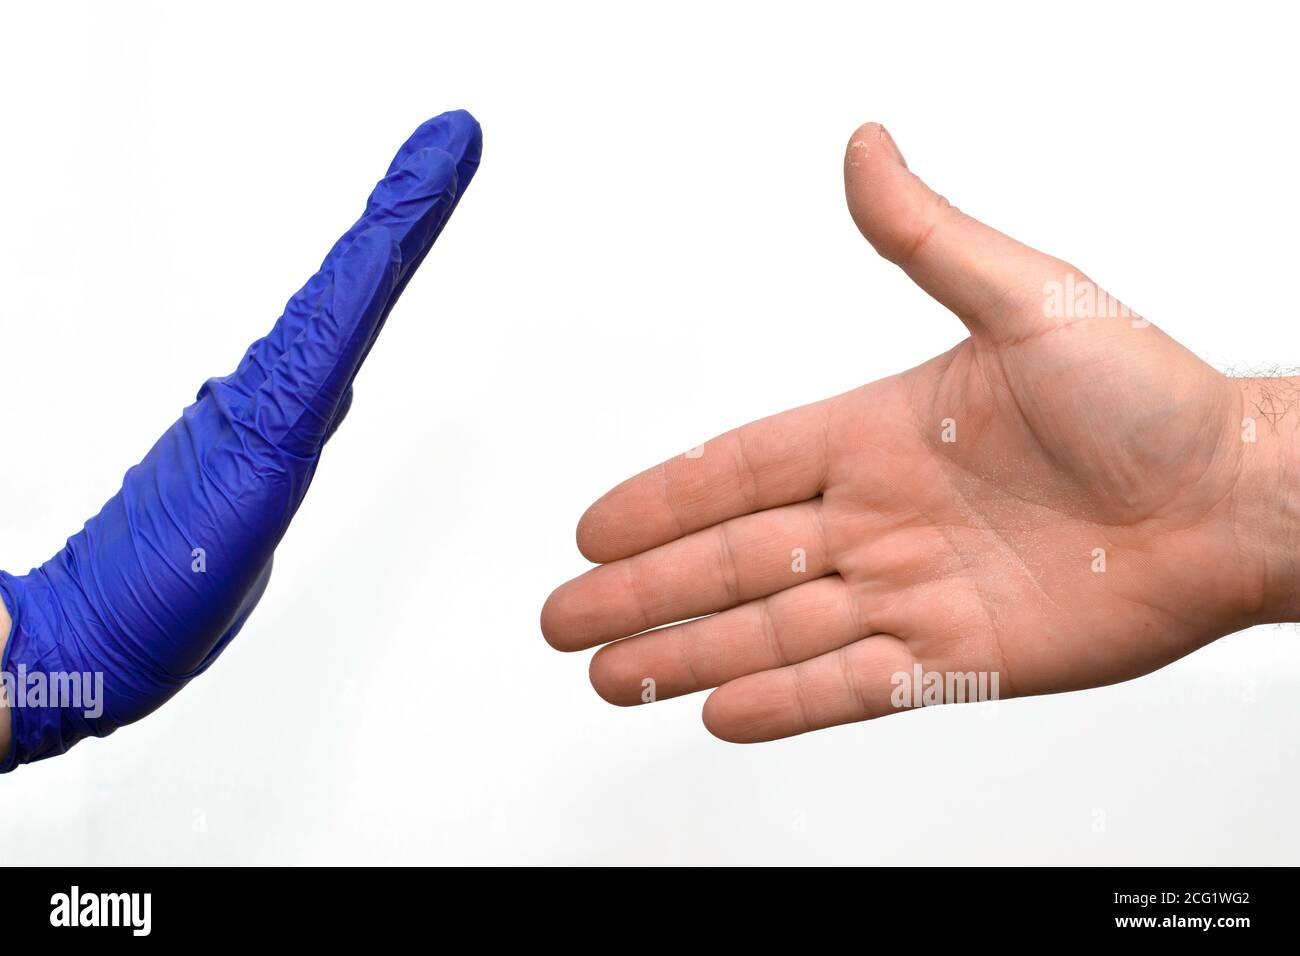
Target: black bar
[{"x": 1174, "y": 906}]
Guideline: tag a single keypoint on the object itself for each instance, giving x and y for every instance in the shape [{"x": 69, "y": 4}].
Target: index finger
[{"x": 774, "y": 461}]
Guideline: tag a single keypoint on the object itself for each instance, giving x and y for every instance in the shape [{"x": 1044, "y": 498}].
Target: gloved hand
[{"x": 156, "y": 586}]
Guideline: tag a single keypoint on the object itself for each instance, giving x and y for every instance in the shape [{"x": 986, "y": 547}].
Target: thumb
[{"x": 994, "y": 284}]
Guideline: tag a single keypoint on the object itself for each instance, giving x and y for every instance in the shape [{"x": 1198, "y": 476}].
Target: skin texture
[{"x": 1072, "y": 433}]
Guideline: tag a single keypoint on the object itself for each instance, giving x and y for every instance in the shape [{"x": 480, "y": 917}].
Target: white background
[{"x": 656, "y": 249}]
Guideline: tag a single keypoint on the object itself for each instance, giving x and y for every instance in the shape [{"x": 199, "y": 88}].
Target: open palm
[{"x": 1067, "y": 498}]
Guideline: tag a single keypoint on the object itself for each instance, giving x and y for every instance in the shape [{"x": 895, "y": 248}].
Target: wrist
[{"x": 1266, "y": 500}]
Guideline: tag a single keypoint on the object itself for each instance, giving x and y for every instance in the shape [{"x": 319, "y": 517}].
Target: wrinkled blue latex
[{"x": 156, "y": 585}]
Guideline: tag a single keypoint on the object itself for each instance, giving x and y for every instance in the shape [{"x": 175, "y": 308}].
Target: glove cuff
[{"x": 50, "y": 706}]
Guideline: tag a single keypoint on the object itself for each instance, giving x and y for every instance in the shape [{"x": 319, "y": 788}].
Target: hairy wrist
[{"x": 1266, "y": 505}]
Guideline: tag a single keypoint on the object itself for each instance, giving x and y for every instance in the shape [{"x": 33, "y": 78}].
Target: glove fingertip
[
  {"x": 466, "y": 146},
  {"x": 456, "y": 132}
]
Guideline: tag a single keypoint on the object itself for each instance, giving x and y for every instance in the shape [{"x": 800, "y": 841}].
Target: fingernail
[{"x": 891, "y": 146}]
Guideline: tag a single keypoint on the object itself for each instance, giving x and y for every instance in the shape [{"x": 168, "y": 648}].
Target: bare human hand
[{"x": 1067, "y": 498}]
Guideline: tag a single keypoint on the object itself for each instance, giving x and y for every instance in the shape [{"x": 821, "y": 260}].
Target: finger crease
[
  {"x": 854, "y": 686},
  {"x": 727, "y": 565},
  {"x": 768, "y": 626},
  {"x": 748, "y": 477},
  {"x": 687, "y": 663}
]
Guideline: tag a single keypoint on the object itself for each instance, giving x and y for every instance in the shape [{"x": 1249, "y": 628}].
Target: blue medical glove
[{"x": 156, "y": 585}]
